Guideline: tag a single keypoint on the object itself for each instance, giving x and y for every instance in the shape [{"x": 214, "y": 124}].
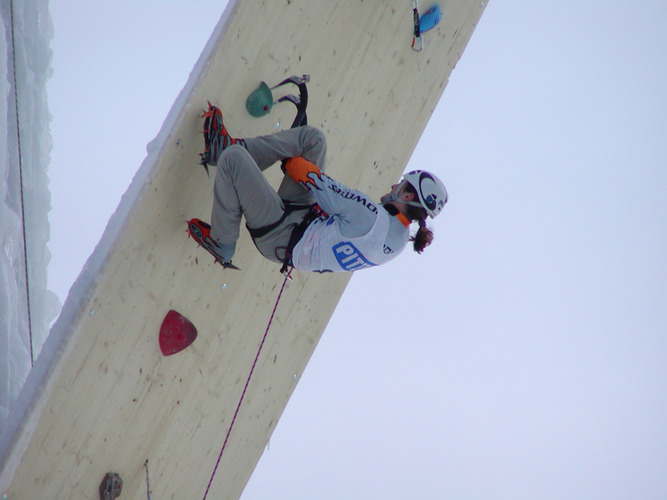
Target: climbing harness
[
  {"x": 260, "y": 102},
  {"x": 245, "y": 388},
  {"x": 264, "y": 230},
  {"x": 313, "y": 212},
  {"x": 297, "y": 233}
]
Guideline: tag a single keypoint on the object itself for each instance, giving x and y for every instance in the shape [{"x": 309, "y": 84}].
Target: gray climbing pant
[{"x": 240, "y": 188}]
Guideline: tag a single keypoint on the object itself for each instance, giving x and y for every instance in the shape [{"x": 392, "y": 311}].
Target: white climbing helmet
[{"x": 430, "y": 191}]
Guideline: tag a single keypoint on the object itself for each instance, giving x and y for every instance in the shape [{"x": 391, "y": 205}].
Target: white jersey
[{"x": 355, "y": 234}]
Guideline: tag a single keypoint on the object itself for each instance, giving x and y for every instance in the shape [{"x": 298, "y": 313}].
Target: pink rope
[{"x": 247, "y": 382}]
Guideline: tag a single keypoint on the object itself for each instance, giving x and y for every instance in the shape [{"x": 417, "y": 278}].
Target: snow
[
  {"x": 33, "y": 67},
  {"x": 20, "y": 404}
]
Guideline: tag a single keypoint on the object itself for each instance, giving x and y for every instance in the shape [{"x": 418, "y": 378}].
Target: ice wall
[{"x": 25, "y": 67}]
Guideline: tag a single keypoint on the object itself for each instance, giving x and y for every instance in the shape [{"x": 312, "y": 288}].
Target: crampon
[{"x": 201, "y": 232}]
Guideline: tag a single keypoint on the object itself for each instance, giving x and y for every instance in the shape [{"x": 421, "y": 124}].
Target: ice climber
[{"x": 312, "y": 222}]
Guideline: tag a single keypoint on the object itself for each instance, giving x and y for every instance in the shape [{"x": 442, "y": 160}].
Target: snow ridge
[{"x": 32, "y": 69}]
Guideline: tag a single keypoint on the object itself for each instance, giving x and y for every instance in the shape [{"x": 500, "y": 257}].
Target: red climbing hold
[{"x": 176, "y": 333}]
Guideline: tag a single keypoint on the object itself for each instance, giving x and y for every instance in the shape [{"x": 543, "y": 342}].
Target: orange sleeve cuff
[{"x": 298, "y": 169}]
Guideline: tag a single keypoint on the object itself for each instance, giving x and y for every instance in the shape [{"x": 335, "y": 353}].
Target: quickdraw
[
  {"x": 417, "y": 40},
  {"x": 423, "y": 23}
]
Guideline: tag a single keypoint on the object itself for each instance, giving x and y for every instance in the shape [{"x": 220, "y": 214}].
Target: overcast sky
[{"x": 524, "y": 354}]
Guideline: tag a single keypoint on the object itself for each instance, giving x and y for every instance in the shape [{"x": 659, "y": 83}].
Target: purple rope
[{"x": 238, "y": 406}]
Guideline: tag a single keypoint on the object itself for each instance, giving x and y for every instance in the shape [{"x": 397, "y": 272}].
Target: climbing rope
[
  {"x": 148, "y": 483},
  {"x": 18, "y": 140},
  {"x": 238, "y": 406}
]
